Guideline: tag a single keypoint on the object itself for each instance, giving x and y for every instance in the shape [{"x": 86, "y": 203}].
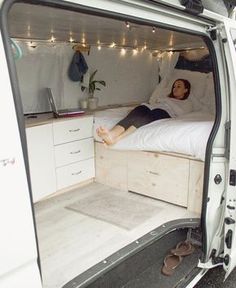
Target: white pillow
[{"x": 196, "y": 79}]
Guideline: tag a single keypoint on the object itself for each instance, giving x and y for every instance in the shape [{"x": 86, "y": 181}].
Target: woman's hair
[{"x": 187, "y": 86}]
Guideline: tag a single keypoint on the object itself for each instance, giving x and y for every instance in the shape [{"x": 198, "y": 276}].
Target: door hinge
[
  {"x": 216, "y": 259},
  {"x": 227, "y": 138},
  {"x": 229, "y": 238},
  {"x": 212, "y": 30},
  {"x": 194, "y": 7},
  {"x": 229, "y": 221},
  {"x": 232, "y": 177}
]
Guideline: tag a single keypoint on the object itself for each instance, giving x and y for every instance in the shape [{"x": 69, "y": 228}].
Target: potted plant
[{"x": 92, "y": 87}]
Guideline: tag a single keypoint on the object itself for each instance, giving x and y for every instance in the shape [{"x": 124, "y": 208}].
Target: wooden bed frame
[{"x": 174, "y": 178}]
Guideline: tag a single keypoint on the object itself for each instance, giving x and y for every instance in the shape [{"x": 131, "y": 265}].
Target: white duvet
[{"x": 187, "y": 134}]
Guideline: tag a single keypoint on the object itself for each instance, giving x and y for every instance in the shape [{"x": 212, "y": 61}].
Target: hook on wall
[{"x": 81, "y": 48}]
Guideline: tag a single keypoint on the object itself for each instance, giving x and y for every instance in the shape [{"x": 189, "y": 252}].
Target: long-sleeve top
[{"x": 172, "y": 106}]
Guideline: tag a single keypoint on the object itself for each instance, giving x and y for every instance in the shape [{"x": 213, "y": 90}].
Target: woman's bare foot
[{"x": 105, "y": 134}]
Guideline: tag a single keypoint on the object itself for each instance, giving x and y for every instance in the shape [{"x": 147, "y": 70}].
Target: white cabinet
[
  {"x": 74, "y": 151},
  {"x": 61, "y": 154},
  {"x": 41, "y": 160}
]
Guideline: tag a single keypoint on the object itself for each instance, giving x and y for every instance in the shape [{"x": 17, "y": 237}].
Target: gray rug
[{"x": 125, "y": 212}]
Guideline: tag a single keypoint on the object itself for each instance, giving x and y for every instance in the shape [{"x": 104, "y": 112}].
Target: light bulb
[{"x": 122, "y": 51}]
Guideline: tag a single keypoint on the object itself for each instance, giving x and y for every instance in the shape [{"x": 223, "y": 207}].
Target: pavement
[{"x": 214, "y": 278}]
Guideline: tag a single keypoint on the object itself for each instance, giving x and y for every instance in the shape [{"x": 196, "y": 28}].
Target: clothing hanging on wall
[{"x": 78, "y": 67}]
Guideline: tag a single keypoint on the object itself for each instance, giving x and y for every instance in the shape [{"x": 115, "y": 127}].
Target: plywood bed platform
[{"x": 171, "y": 177}]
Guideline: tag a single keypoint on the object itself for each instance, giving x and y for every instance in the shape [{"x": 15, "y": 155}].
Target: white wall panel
[{"x": 128, "y": 77}]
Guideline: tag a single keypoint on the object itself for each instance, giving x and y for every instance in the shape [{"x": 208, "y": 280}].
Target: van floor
[{"x": 80, "y": 228}]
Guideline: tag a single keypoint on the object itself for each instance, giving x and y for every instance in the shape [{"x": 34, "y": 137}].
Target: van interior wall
[{"x": 129, "y": 77}]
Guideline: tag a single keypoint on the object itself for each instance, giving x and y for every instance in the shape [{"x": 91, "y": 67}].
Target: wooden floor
[{"x": 71, "y": 242}]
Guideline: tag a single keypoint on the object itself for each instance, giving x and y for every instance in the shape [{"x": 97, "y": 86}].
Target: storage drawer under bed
[{"x": 159, "y": 176}]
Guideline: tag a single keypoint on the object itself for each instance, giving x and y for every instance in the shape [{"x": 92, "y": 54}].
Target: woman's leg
[
  {"x": 110, "y": 136},
  {"x": 158, "y": 114},
  {"x": 127, "y": 132},
  {"x": 138, "y": 117}
]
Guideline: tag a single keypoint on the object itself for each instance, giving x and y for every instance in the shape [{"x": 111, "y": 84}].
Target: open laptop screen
[{"x": 51, "y": 100}]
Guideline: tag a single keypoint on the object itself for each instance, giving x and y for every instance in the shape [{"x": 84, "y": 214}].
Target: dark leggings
[{"x": 142, "y": 115}]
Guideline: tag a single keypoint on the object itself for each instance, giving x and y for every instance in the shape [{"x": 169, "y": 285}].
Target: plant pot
[
  {"x": 83, "y": 104},
  {"x": 92, "y": 103}
]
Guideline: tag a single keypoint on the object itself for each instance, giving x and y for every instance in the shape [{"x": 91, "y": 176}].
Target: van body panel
[
  {"x": 18, "y": 243},
  {"x": 215, "y": 163},
  {"x": 229, "y": 32},
  {"x": 19, "y": 248},
  {"x": 149, "y": 12}
]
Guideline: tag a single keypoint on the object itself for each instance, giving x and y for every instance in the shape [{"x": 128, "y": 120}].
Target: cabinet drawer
[
  {"x": 159, "y": 176},
  {"x": 74, "y": 152},
  {"x": 71, "y": 130},
  {"x": 75, "y": 173}
]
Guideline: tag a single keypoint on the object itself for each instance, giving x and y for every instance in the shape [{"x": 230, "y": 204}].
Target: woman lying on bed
[{"x": 173, "y": 105}]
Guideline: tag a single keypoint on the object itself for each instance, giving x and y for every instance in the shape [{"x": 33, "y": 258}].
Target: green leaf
[
  {"x": 92, "y": 76},
  {"x": 93, "y": 83},
  {"x": 102, "y": 82}
]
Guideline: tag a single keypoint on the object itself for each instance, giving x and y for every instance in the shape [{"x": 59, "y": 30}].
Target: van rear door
[{"x": 229, "y": 46}]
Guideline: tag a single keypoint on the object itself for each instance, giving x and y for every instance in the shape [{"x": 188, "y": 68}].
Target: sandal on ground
[
  {"x": 183, "y": 248},
  {"x": 170, "y": 263}
]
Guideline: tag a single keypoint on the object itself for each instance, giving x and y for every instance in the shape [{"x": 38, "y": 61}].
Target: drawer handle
[
  {"x": 74, "y": 130},
  {"x": 76, "y": 173},
  {"x": 75, "y": 152},
  {"x": 153, "y": 173}
]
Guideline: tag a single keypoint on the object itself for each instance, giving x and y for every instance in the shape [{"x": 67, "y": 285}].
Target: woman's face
[{"x": 179, "y": 90}]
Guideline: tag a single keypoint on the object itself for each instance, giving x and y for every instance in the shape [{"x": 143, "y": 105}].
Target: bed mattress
[{"x": 187, "y": 134}]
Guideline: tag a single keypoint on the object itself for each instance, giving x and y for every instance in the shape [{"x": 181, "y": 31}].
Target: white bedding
[{"x": 187, "y": 134}]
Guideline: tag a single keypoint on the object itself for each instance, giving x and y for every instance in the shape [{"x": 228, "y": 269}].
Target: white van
[{"x": 75, "y": 213}]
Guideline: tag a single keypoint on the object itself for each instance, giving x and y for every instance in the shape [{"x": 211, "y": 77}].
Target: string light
[
  {"x": 132, "y": 49},
  {"x": 52, "y": 39},
  {"x": 28, "y": 30},
  {"x": 123, "y": 51},
  {"x": 71, "y": 40},
  {"x": 31, "y": 45},
  {"x": 127, "y": 24},
  {"x": 112, "y": 45},
  {"x": 135, "y": 51}
]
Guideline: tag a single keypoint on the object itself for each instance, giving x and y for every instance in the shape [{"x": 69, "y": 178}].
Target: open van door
[
  {"x": 229, "y": 46},
  {"x": 19, "y": 265}
]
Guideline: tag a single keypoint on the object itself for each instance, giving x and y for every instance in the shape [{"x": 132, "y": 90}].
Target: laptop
[{"x": 64, "y": 112}]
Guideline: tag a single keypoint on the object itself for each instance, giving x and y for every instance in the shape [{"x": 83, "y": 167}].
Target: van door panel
[{"x": 230, "y": 205}]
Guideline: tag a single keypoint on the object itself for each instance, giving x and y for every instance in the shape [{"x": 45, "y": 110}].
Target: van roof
[{"x": 212, "y": 8}]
